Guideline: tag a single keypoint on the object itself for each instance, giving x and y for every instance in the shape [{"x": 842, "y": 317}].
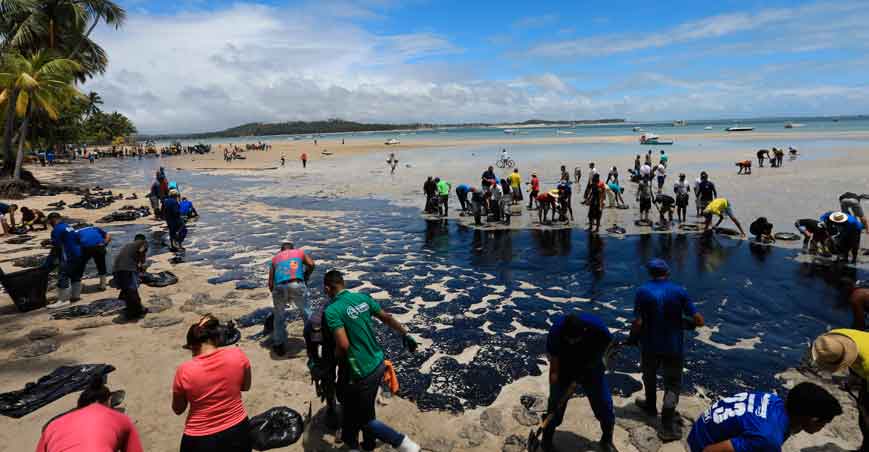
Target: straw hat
[
  {"x": 834, "y": 352},
  {"x": 838, "y": 217}
]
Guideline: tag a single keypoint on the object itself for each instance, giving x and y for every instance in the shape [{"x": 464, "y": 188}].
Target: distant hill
[{"x": 338, "y": 126}]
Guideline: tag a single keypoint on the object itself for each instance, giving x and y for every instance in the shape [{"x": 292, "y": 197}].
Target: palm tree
[
  {"x": 93, "y": 102},
  {"x": 43, "y": 83}
]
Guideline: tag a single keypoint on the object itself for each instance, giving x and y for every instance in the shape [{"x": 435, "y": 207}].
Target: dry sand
[{"x": 146, "y": 358}]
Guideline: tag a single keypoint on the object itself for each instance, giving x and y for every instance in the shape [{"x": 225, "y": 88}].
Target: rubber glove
[{"x": 410, "y": 343}]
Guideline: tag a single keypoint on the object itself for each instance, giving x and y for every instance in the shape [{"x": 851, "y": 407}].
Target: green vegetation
[{"x": 46, "y": 48}]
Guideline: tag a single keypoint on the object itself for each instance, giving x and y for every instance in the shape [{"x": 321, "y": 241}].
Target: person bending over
[
  {"x": 762, "y": 421},
  {"x": 844, "y": 231},
  {"x": 761, "y": 229},
  {"x": 93, "y": 241},
  {"x": 814, "y": 234},
  {"x": 289, "y": 272},
  {"x": 129, "y": 262},
  {"x": 720, "y": 207},
  {"x": 33, "y": 217},
  {"x": 7, "y": 210},
  {"x": 211, "y": 384},
  {"x": 744, "y": 167},
  {"x": 850, "y": 203},
  {"x": 462, "y": 192},
  {"x": 546, "y": 202},
  {"x": 92, "y": 426}
]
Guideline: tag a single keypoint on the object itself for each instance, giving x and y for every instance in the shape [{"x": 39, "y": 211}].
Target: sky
[{"x": 180, "y": 66}]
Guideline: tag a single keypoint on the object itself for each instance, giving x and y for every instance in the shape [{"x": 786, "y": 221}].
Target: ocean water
[{"x": 664, "y": 129}]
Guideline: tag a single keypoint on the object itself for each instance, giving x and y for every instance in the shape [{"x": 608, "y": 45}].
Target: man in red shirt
[{"x": 535, "y": 190}]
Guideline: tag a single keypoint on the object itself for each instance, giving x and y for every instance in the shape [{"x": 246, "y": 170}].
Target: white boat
[
  {"x": 793, "y": 125},
  {"x": 510, "y": 131},
  {"x": 680, "y": 123},
  {"x": 652, "y": 139},
  {"x": 707, "y": 128},
  {"x": 739, "y": 129},
  {"x": 564, "y": 132},
  {"x": 392, "y": 141},
  {"x": 638, "y": 129}
]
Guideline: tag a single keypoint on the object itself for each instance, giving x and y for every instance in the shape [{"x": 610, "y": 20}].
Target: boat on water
[
  {"x": 794, "y": 125},
  {"x": 392, "y": 141},
  {"x": 707, "y": 128},
  {"x": 638, "y": 129},
  {"x": 739, "y": 129},
  {"x": 564, "y": 132},
  {"x": 510, "y": 131},
  {"x": 654, "y": 140},
  {"x": 680, "y": 123}
]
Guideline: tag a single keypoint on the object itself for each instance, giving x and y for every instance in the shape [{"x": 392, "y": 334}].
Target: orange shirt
[
  {"x": 95, "y": 427},
  {"x": 212, "y": 386}
]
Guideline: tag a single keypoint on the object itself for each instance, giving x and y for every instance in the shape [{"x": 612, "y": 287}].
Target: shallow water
[{"x": 498, "y": 290}]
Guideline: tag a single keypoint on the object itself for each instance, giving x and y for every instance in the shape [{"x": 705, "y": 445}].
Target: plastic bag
[
  {"x": 64, "y": 380},
  {"x": 26, "y": 288},
  {"x": 277, "y": 427},
  {"x": 161, "y": 279}
]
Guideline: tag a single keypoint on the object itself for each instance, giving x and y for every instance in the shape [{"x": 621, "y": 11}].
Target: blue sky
[{"x": 190, "y": 65}]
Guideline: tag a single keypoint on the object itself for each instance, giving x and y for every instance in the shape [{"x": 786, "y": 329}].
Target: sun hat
[
  {"x": 834, "y": 352},
  {"x": 838, "y": 217}
]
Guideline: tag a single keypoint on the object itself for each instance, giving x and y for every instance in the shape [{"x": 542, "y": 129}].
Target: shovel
[{"x": 534, "y": 437}]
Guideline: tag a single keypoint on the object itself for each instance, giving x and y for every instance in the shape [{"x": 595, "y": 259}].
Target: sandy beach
[{"x": 146, "y": 358}]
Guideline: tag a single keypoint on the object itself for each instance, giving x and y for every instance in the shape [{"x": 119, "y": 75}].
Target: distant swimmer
[
  {"x": 814, "y": 234},
  {"x": 762, "y": 155},
  {"x": 744, "y": 167},
  {"x": 720, "y": 207}
]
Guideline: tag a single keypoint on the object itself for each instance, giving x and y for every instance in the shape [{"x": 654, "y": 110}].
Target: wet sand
[{"x": 146, "y": 358}]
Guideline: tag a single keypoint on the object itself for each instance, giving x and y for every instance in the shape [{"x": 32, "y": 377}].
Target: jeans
[
  {"x": 98, "y": 254},
  {"x": 597, "y": 390},
  {"x": 671, "y": 369},
  {"x": 359, "y": 414},
  {"x": 285, "y": 293},
  {"x": 71, "y": 270},
  {"x": 233, "y": 439}
]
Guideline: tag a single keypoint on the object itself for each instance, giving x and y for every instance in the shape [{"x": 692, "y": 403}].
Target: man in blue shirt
[
  {"x": 762, "y": 422},
  {"x": 462, "y": 193},
  {"x": 172, "y": 214},
  {"x": 659, "y": 307},
  {"x": 93, "y": 241},
  {"x": 187, "y": 209},
  {"x": 576, "y": 346},
  {"x": 844, "y": 231},
  {"x": 66, "y": 242}
]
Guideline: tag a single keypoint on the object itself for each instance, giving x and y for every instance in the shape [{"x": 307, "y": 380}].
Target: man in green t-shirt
[{"x": 349, "y": 319}]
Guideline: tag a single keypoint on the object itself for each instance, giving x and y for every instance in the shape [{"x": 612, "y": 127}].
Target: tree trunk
[
  {"x": 19, "y": 159},
  {"x": 8, "y": 164}
]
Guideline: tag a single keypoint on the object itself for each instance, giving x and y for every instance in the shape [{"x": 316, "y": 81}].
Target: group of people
[
  {"x": 30, "y": 219},
  {"x": 168, "y": 205}
]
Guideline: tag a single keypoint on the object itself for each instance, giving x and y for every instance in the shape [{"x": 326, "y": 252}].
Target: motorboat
[
  {"x": 564, "y": 132},
  {"x": 739, "y": 129},
  {"x": 392, "y": 141},
  {"x": 638, "y": 129},
  {"x": 793, "y": 125},
  {"x": 707, "y": 128},
  {"x": 652, "y": 139},
  {"x": 680, "y": 123},
  {"x": 510, "y": 131}
]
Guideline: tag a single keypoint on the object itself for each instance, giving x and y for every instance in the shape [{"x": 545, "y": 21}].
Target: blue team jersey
[
  {"x": 91, "y": 236},
  {"x": 186, "y": 207},
  {"x": 753, "y": 422},
  {"x": 661, "y": 305},
  {"x": 463, "y": 188},
  {"x": 172, "y": 211},
  {"x": 587, "y": 353},
  {"x": 64, "y": 236},
  {"x": 853, "y": 223}
]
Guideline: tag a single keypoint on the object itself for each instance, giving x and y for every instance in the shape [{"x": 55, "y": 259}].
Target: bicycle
[{"x": 505, "y": 163}]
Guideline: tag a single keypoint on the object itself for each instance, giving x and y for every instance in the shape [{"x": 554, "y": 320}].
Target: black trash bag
[
  {"x": 64, "y": 380},
  {"x": 161, "y": 279},
  {"x": 104, "y": 307},
  {"x": 257, "y": 317},
  {"x": 277, "y": 427},
  {"x": 20, "y": 239},
  {"x": 229, "y": 334},
  {"x": 127, "y": 213},
  {"x": 26, "y": 288}
]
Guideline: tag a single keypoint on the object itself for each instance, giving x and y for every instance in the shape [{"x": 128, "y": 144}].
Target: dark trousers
[
  {"x": 128, "y": 283},
  {"x": 532, "y": 197},
  {"x": 359, "y": 414},
  {"x": 304, "y": 163},
  {"x": 98, "y": 254},
  {"x": 444, "y": 205},
  {"x": 597, "y": 390},
  {"x": 233, "y": 439},
  {"x": 463, "y": 200},
  {"x": 671, "y": 370}
]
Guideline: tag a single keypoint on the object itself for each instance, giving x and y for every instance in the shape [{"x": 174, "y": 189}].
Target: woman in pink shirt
[
  {"x": 92, "y": 427},
  {"x": 211, "y": 384}
]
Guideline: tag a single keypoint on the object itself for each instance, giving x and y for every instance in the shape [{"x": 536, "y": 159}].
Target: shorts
[
  {"x": 645, "y": 203},
  {"x": 682, "y": 200},
  {"x": 852, "y": 205}
]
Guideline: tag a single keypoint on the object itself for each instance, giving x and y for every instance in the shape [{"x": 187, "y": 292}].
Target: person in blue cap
[
  {"x": 659, "y": 307},
  {"x": 576, "y": 345},
  {"x": 762, "y": 421}
]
